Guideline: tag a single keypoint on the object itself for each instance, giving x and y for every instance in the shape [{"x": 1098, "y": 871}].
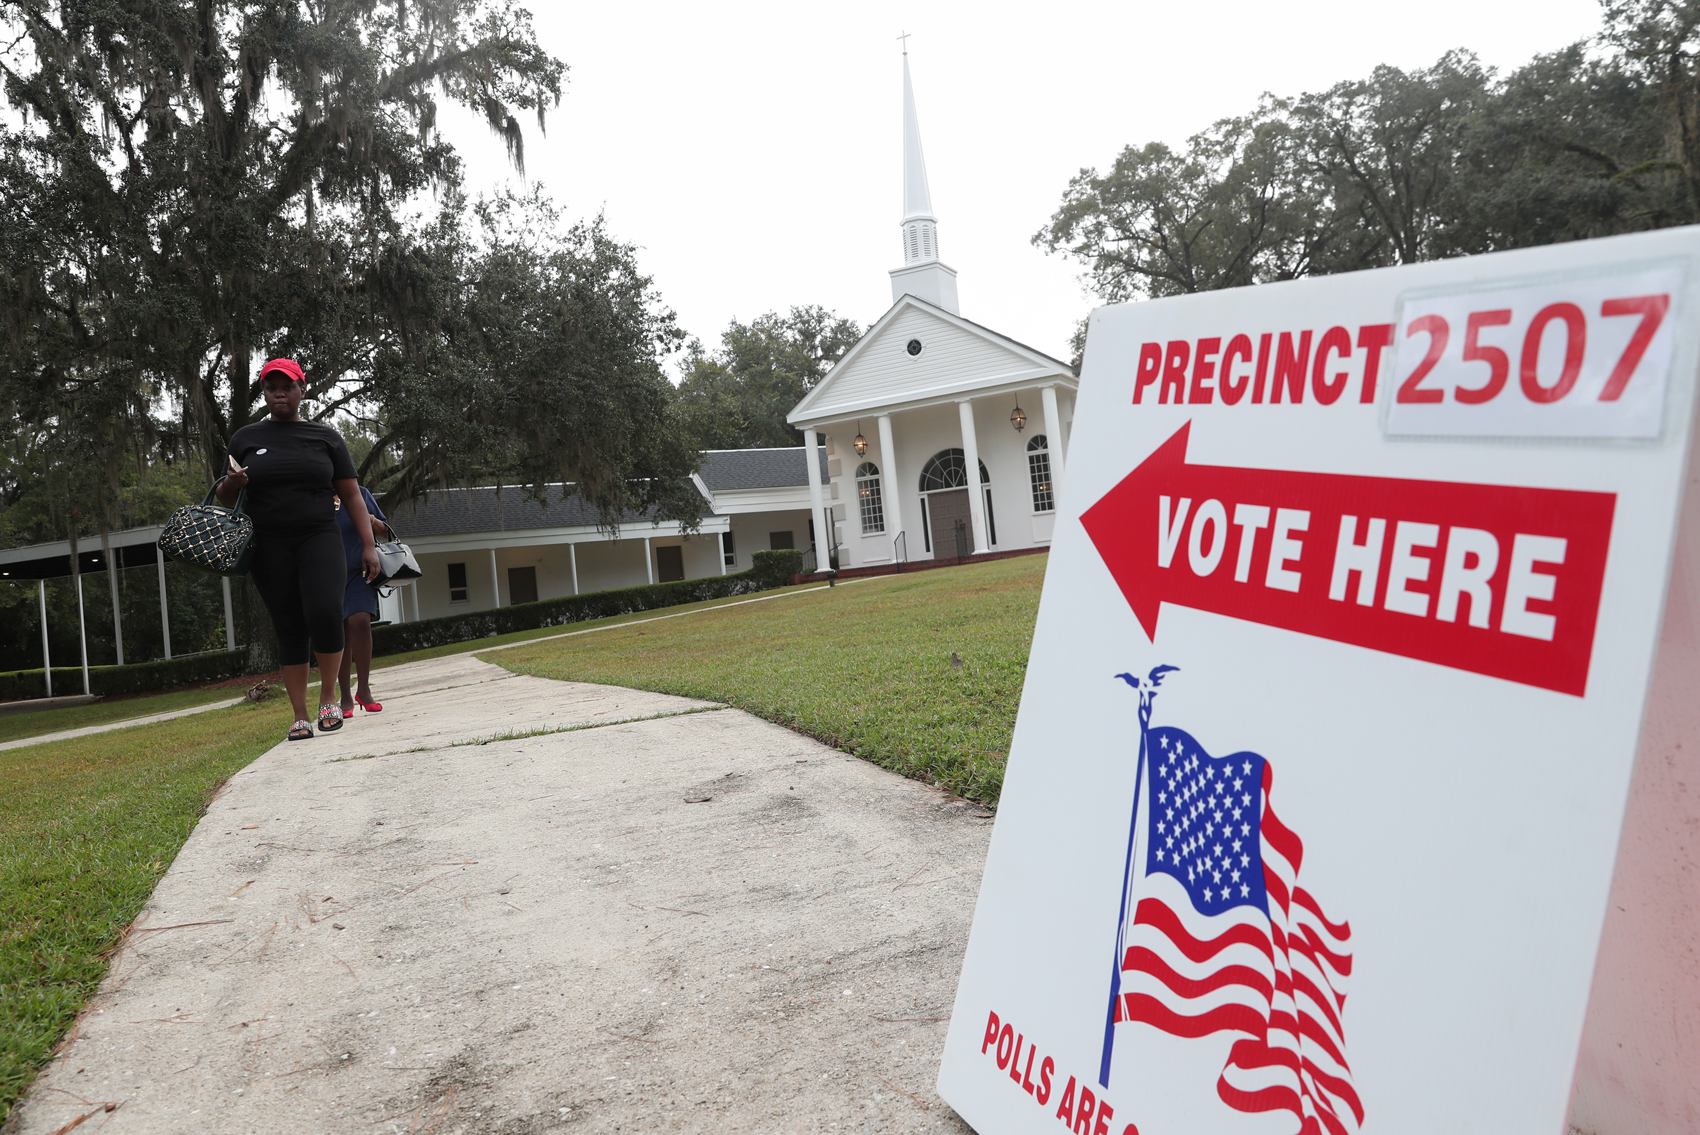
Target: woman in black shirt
[{"x": 291, "y": 467}]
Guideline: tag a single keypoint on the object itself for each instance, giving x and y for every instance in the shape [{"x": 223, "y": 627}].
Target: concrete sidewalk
[{"x": 667, "y": 915}]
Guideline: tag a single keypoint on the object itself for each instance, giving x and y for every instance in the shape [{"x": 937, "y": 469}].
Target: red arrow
[{"x": 1493, "y": 579}]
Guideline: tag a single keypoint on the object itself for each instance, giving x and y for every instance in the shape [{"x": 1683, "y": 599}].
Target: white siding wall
[
  {"x": 702, "y": 555},
  {"x": 750, "y": 532},
  {"x": 886, "y": 372},
  {"x": 606, "y": 565},
  {"x": 602, "y": 566},
  {"x": 554, "y": 569},
  {"x": 433, "y": 584}
]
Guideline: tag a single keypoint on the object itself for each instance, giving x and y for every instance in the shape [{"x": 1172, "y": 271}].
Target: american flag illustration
[{"x": 1222, "y": 938}]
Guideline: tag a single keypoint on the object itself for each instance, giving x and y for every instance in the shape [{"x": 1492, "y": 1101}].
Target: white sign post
[{"x": 1355, "y": 624}]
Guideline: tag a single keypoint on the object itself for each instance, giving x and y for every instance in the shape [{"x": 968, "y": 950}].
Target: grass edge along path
[
  {"x": 87, "y": 828},
  {"x": 116, "y": 711},
  {"x": 108, "y": 711},
  {"x": 563, "y": 630},
  {"x": 868, "y": 669}
]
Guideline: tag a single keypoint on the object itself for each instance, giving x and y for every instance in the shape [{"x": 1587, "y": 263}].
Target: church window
[
  {"x": 914, "y": 347},
  {"x": 1039, "y": 473},
  {"x": 948, "y": 469},
  {"x": 868, "y": 493}
]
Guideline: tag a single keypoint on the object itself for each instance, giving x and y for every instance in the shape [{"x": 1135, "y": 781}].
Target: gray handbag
[
  {"x": 395, "y": 561},
  {"x": 211, "y": 537}
]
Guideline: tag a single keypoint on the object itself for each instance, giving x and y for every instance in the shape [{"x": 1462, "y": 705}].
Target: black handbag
[
  {"x": 211, "y": 537},
  {"x": 395, "y": 561}
]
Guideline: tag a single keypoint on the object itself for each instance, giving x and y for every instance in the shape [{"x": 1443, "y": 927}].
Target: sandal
[
  {"x": 330, "y": 717},
  {"x": 300, "y": 731},
  {"x": 369, "y": 706}
]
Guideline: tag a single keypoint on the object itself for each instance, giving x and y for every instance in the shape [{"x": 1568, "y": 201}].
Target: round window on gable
[{"x": 914, "y": 347}]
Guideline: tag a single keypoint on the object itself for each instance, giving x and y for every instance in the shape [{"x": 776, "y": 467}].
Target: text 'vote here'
[{"x": 1494, "y": 579}]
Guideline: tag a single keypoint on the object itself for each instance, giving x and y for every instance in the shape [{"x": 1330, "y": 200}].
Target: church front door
[{"x": 951, "y": 524}]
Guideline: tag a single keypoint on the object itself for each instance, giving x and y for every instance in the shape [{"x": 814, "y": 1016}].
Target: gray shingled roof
[
  {"x": 446, "y": 512},
  {"x": 727, "y": 469}
]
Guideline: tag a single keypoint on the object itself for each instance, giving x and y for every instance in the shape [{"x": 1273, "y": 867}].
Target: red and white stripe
[{"x": 1280, "y": 980}]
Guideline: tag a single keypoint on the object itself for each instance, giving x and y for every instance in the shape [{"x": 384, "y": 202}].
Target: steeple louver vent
[{"x": 920, "y": 242}]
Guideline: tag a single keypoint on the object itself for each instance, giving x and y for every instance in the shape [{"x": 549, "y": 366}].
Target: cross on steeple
[{"x": 905, "y": 38}]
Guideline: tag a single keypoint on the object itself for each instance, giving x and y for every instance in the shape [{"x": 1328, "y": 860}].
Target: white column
[
  {"x": 572, "y": 558},
  {"x": 82, "y": 634},
  {"x": 112, "y": 586},
  {"x": 891, "y": 484},
  {"x": 414, "y": 592},
  {"x": 823, "y": 522},
  {"x": 164, "y": 610},
  {"x": 976, "y": 491},
  {"x": 495, "y": 580},
  {"x": 649, "y": 560},
  {"x": 46, "y": 653},
  {"x": 1054, "y": 439},
  {"x": 720, "y": 548},
  {"x": 229, "y": 617}
]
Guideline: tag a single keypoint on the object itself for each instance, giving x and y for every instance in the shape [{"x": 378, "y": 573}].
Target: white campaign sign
[{"x": 1333, "y": 704}]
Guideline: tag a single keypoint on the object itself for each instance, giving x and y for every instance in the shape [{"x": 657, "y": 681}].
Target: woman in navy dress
[{"x": 359, "y": 608}]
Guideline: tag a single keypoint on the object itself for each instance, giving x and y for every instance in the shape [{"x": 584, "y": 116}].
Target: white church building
[{"x": 923, "y": 398}]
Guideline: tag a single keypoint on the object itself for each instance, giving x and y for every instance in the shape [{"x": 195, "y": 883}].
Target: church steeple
[
  {"x": 920, "y": 227},
  {"x": 922, "y": 274}
]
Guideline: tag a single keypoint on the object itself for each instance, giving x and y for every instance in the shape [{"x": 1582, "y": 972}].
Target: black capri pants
[{"x": 301, "y": 579}]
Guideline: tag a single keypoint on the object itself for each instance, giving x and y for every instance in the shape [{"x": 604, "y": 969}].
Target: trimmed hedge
[
  {"x": 138, "y": 678},
  {"x": 772, "y": 569},
  {"x": 778, "y": 565}
]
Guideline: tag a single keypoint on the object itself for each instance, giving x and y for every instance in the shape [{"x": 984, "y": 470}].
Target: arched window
[
  {"x": 948, "y": 469},
  {"x": 868, "y": 493},
  {"x": 1039, "y": 473}
]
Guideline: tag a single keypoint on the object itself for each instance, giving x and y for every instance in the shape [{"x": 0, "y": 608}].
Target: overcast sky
[{"x": 753, "y": 151}]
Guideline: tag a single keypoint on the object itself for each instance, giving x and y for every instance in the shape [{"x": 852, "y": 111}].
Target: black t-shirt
[{"x": 291, "y": 467}]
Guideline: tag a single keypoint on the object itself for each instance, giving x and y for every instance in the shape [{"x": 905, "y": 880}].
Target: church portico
[
  {"x": 899, "y": 499},
  {"x": 935, "y": 399}
]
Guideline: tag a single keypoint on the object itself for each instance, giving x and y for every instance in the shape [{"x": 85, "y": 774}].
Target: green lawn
[
  {"x": 16, "y": 725},
  {"x": 87, "y": 827},
  {"x": 865, "y": 667}
]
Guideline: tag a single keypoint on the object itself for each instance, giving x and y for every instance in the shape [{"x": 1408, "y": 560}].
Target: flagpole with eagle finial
[{"x": 1147, "y": 691}]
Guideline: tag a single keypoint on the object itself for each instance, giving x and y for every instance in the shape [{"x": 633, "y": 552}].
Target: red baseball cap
[{"x": 287, "y": 366}]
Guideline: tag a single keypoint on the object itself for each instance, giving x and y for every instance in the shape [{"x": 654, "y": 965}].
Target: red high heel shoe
[{"x": 369, "y": 706}]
